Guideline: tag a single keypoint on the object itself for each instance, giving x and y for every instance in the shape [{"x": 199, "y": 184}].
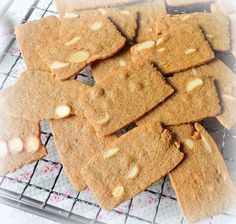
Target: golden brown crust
[{"x": 131, "y": 164}]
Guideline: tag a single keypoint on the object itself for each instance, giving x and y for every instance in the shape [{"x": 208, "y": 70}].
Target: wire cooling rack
[{"x": 42, "y": 188}]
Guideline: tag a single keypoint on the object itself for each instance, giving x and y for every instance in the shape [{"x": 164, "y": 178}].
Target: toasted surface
[
  {"x": 38, "y": 95},
  {"x": 201, "y": 182},
  {"x": 135, "y": 91},
  {"x": 147, "y": 14},
  {"x": 195, "y": 99},
  {"x": 88, "y": 37},
  {"x": 131, "y": 164},
  {"x": 112, "y": 66},
  {"x": 188, "y": 2},
  {"x": 76, "y": 143},
  {"x": 215, "y": 27},
  {"x": 20, "y": 142},
  {"x": 34, "y": 35},
  {"x": 179, "y": 49}
]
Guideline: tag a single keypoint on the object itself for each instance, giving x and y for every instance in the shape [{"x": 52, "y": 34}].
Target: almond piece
[
  {"x": 189, "y": 143},
  {"x": 118, "y": 191},
  {"x": 209, "y": 35},
  {"x": 122, "y": 63},
  {"x": 102, "y": 11},
  {"x": 145, "y": 45},
  {"x": 194, "y": 84},
  {"x": 133, "y": 172},
  {"x": 70, "y": 15},
  {"x": 3, "y": 149},
  {"x": 32, "y": 144},
  {"x": 62, "y": 111},
  {"x": 110, "y": 153},
  {"x": 79, "y": 56},
  {"x": 228, "y": 97},
  {"x": 125, "y": 12},
  {"x": 105, "y": 119},
  {"x": 190, "y": 50},
  {"x": 159, "y": 41},
  {"x": 73, "y": 41},
  {"x": 58, "y": 65},
  {"x": 16, "y": 145},
  {"x": 206, "y": 143},
  {"x": 194, "y": 71},
  {"x": 161, "y": 49},
  {"x": 96, "y": 26}
]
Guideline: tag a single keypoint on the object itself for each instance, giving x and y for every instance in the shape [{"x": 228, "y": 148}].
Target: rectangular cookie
[
  {"x": 38, "y": 96},
  {"x": 76, "y": 147},
  {"x": 20, "y": 142},
  {"x": 177, "y": 3},
  {"x": 35, "y": 35},
  {"x": 90, "y": 37},
  {"x": 118, "y": 101},
  {"x": 147, "y": 14},
  {"x": 214, "y": 25},
  {"x": 131, "y": 164},
  {"x": 178, "y": 49},
  {"x": 201, "y": 182},
  {"x": 195, "y": 99},
  {"x": 226, "y": 85}
]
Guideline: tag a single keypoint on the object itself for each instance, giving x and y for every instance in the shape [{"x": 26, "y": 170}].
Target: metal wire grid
[{"x": 45, "y": 209}]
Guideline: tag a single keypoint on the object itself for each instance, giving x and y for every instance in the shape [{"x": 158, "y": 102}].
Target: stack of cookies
[{"x": 153, "y": 69}]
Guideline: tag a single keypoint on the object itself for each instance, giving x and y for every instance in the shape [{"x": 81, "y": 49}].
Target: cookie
[
  {"x": 20, "y": 142},
  {"x": 38, "y": 96},
  {"x": 195, "y": 99},
  {"x": 226, "y": 86},
  {"x": 147, "y": 14},
  {"x": 124, "y": 19},
  {"x": 90, "y": 37},
  {"x": 131, "y": 164},
  {"x": 34, "y": 35},
  {"x": 118, "y": 101},
  {"x": 177, "y": 3},
  {"x": 179, "y": 49},
  {"x": 232, "y": 18},
  {"x": 112, "y": 66},
  {"x": 92, "y": 4},
  {"x": 76, "y": 147},
  {"x": 201, "y": 182},
  {"x": 215, "y": 27}
]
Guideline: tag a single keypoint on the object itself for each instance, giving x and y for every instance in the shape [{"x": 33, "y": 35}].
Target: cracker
[
  {"x": 112, "y": 66},
  {"x": 20, "y": 142},
  {"x": 118, "y": 101},
  {"x": 131, "y": 164},
  {"x": 38, "y": 95},
  {"x": 177, "y": 3},
  {"x": 201, "y": 182},
  {"x": 215, "y": 27},
  {"x": 195, "y": 99},
  {"x": 226, "y": 86},
  {"x": 35, "y": 35},
  {"x": 124, "y": 19},
  {"x": 147, "y": 13},
  {"x": 90, "y": 37},
  {"x": 179, "y": 49},
  {"x": 76, "y": 143}
]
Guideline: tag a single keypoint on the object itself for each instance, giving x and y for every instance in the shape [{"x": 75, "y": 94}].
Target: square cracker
[
  {"x": 201, "y": 182},
  {"x": 178, "y": 49},
  {"x": 20, "y": 142},
  {"x": 147, "y": 13},
  {"x": 187, "y": 2},
  {"x": 121, "y": 100},
  {"x": 91, "y": 37},
  {"x": 195, "y": 99},
  {"x": 76, "y": 147},
  {"x": 38, "y": 96},
  {"x": 35, "y": 35},
  {"x": 225, "y": 80},
  {"x": 131, "y": 164},
  {"x": 215, "y": 27}
]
